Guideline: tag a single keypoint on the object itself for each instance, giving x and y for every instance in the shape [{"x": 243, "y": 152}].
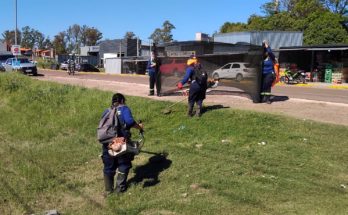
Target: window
[
  {"x": 227, "y": 66},
  {"x": 235, "y": 66},
  {"x": 23, "y": 60}
]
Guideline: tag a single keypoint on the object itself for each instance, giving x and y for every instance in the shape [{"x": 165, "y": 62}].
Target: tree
[
  {"x": 156, "y": 36},
  {"x": 9, "y": 37},
  {"x": 129, "y": 35},
  {"x": 167, "y": 28},
  {"x": 59, "y": 43},
  {"x": 73, "y": 38},
  {"x": 164, "y": 34},
  {"x": 90, "y": 36},
  {"x": 322, "y": 21},
  {"x": 233, "y": 27},
  {"x": 270, "y": 8},
  {"x": 336, "y": 6},
  {"x": 325, "y": 28}
]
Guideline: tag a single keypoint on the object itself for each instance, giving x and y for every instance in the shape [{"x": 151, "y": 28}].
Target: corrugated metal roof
[{"x": 276, "y": 39}]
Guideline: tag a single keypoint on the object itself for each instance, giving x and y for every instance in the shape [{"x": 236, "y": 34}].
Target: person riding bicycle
[{"x": 123, "y": 162}]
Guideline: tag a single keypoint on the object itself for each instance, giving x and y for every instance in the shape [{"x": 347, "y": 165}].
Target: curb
[
  {"x": 314, "y": 85},
  {"x": 96, "y": 73}
]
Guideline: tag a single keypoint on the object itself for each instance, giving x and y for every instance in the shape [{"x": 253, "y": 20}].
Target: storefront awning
[{"x": 327, "y": 49}]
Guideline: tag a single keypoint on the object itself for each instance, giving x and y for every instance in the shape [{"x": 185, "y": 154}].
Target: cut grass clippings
[{"x": 226, "y": 162}]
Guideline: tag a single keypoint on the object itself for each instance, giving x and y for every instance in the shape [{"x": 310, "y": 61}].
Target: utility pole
[
  {"x": 137, "y": 46},
  {"x": 16, "y": 22}
]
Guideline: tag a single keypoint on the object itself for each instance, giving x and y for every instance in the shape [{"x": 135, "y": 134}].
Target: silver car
[{"x": 20, "y": 64}]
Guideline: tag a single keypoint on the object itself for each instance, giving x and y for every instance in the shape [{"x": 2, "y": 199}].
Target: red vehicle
[{"x": 173, "y": 66}]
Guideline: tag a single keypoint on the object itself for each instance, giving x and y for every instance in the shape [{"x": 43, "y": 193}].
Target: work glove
[{"x": 180, "y": 86}]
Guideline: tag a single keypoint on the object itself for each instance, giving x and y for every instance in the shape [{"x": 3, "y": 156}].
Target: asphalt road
[{"x": 316, "y": 93}]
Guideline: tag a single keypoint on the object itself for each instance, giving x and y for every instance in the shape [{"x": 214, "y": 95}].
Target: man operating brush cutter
[
  {"x": 199, "y": 83},
  {"x": 118, "y": 149}
]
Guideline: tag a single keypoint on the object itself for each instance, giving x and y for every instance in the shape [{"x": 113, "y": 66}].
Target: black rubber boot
[
  {"x": 190, "y": 112},
  {"x": 109, "y": 184},
  {"x": 121, "y": 182},
  {"x": 268, "y": 99},
  {"x": 199, "y": 109},
  {"x": 263, "y": 99},
  {"x": 151, "y": 93},
  {"x": 199, "y": 112}
]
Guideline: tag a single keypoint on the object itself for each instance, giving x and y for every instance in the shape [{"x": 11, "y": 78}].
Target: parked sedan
[
  {"x": 86, "y": 67},
  {"x": 21, "y": 64},
  {"x": 64, "y": 65},
  {"x": 235, "y": 70}
]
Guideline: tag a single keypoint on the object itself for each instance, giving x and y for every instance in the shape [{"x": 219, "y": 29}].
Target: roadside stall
[{"x": 325, "y": 63}]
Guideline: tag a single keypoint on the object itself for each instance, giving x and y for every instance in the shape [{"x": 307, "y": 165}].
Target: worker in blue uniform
[
  {"x": 198, "y": 86},
  {"x": 268, "y": 73},
  {"x": 153, "y": 66},
  {"x": 122, "y": 163}
]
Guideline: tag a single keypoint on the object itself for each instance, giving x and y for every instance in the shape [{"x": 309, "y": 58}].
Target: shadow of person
[
  {"x": 150, "y": 171},
  {"x": 279, "y": 98},
  {"x": 212, "y": 107}
]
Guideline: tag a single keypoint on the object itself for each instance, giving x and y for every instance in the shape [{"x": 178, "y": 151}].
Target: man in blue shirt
[
  {"x": 268, "y": 73},
  {"x": 154, "y": 74},
  {"x": 198, "y": 86},
  {"x": 123, "y": 162}
]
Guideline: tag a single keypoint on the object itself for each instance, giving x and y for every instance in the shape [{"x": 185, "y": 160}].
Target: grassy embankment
[{"x": 215, "y": 164}]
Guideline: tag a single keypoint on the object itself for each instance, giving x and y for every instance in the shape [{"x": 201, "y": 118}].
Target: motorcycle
[
  {"x": 71, "y": 67},
  {"x": 294, "y": 77}
]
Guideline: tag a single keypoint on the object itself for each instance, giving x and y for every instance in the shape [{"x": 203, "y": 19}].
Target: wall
[{"x": 113, "y": 65}]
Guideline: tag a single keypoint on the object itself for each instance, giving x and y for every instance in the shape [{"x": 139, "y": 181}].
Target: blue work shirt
[
  {"x": 190, "y": 71},
  {"x": 151, "y": 67},
  {"x": 268, "y": 66}
]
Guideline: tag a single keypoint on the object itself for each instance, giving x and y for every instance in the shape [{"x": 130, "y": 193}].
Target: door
[
  {"x": 225, "y": 71},
  {"x": 235, "y": 69},
  {"x": 8, "y": 65}
]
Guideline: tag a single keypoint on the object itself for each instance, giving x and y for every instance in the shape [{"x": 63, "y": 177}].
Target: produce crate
[
  {"x": 328, "y": 75},
  {"x": 336, "y": 78}
]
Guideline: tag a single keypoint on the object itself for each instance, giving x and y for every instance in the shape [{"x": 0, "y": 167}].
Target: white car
[
  {"x": 234, "y": 70},
  {"x": 20, "y": 64}
]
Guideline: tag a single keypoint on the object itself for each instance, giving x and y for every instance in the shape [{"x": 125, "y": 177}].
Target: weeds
[{"x": 214, "y": 164}]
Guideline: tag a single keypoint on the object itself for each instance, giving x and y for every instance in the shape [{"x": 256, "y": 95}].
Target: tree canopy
[
  {"x": 164, "y": 34},
  {"x": 321, "y": 21}
]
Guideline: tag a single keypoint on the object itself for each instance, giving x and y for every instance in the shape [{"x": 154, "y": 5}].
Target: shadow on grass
[
  {"x": 279, "y": 98},
  {"x": 150, "y": 171},
  {"x": 212, "y": 107}
]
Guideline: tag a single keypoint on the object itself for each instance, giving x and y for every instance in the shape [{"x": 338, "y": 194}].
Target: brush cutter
[{"x": 119, "y": 146}]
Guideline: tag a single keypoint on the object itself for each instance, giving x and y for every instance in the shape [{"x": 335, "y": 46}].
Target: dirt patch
[{"x": 328, "y": 112}]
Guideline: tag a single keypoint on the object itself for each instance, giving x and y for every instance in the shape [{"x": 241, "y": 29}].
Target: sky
[{"x": 115, "y": 17}]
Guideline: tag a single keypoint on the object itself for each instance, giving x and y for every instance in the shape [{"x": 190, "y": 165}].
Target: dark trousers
[
  {"x": 122, "y": 163},
  {"x": 196, "y": 95},
  {"x": 155, "y": 79},
  {"x": 267, "y": 80}
]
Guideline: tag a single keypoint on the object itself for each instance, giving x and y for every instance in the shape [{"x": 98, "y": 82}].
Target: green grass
[{"x": 50, "y": 158}]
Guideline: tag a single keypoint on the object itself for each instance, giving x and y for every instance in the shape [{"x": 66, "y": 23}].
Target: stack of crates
[
  {"x": 328, "y": 74},
  {"x": 337, "y": 78}
]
